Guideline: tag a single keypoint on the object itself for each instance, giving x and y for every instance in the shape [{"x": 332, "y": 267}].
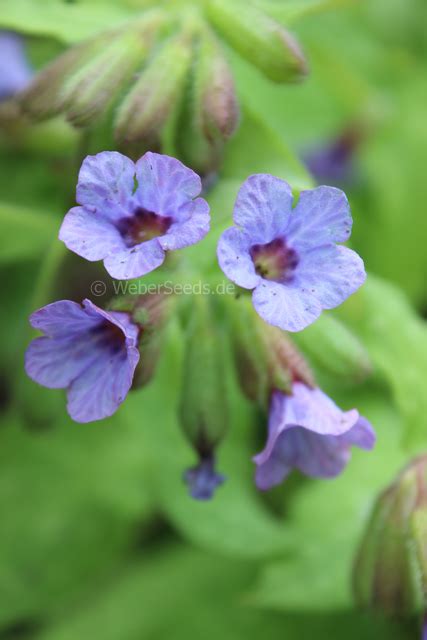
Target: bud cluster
[{"x": 166, "y": 69}]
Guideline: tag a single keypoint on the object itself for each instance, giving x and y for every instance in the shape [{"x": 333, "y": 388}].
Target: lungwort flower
[
  {"x": 288, "y": 255},
  {"x": 90, "y": 352},
  {"x": 131, "y": 214},
  {"x": 307, "y": 431},
  {"x": 15, "y": 72},
  {"x": 202, "y": 480}
]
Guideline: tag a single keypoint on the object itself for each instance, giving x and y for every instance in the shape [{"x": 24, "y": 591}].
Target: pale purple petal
[
  {"x": 190, "y": 230},
  {"x": 331, "y": 274},
  {"x": 15, "y": 71},
  {"x": 165, "y": 184},
  {"x": 136, "y": 261},
  {"x": 118, "y": 318},
  {"x": 56, "y": 362},
  {"x": 321, "y": 216},
  {"x": 309, "y": 432},
  {"x": 288, "y": 307},
  {"x": 90, "y": 234},
  {"x": 62, "y": 318},
  {"x": 106, "y": 183},
  {"x": 263, "y": 207},
  {"x": 235, "y": 260},
  {"x": 102, "y": 387}
]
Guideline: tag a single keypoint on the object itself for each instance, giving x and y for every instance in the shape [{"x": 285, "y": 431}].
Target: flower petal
[
  {"x": 331, "y": 274},
  {"x": 263, "y": 207},
  {"x": 361, "y": 435},
  {"x": 62, "y": 318},
  {"x": 321, "y": 216},
  {"x": 106, "y": 182},
  {"x": 89, "y": 234},
  {"x": 285, "y": 306},
  {"x": 235, "y": 260},
  {"x": 165, "y": 184},
  {"x": 118, "y": 318},
  {"x": 102, "y": 387},
  {"x": 189, "y": 231},
  {"x": 136, "y": 261}
]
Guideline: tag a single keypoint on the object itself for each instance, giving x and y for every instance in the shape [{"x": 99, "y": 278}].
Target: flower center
[
  {"x": 109, "y": 336},
  {"x": 274, "y": 260},
  {"x": 142, "y": 226}
]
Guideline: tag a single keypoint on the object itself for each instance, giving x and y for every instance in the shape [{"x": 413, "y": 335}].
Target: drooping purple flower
[
  {"x": 307, "y": 431},
  {"x": 203, "y": 480},
  {"x": 15, "y": 71},
  {"x": 131, "y": 214},
  {"x": 332, "y": 162},
  {"x": 90, "y": 352},
  {"x": 288, "y": 255}
]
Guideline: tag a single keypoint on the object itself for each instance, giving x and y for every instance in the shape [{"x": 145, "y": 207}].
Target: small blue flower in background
[
  {"x": 307, "y": 431},
  {"x": 90, "y": 352},
  {"x": 288, "y": 255},
  {"x": 15, "y": 71},
  {"x": 203, "y": 480},
  {"x": 333, "y": 161},
  {"x": 131, "y": 214}
]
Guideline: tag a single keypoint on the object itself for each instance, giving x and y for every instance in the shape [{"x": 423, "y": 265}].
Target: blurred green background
[{"x": 98, "y": 538}]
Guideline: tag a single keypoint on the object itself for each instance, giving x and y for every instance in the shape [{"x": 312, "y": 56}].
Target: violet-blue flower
[
  {"x": 203, "y": 480},
  {"x": 131, "y": 214},
  {"x": 307, "y": 431},
  {"x": 88, "y": 351},
  {"x": 288, "y": 255},
  {"x": 15, "y": 71}
]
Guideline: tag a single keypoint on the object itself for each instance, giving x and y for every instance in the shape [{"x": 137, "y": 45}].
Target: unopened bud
[
  {"x": 265, "y": 357},
  {"x": 336, "y": 349},
  {"x": 145, "y": 110},
  {"x": 390, "y": 572},
  {"x": 210, "y": 114},
  {"x": 203, "y": 407},
  {"x": 259, "y": 39}
]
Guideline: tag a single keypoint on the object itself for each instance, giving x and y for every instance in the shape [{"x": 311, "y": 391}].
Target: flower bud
[
  {"x": 266, "y": 359},
  {"x": 145, "y": 110},
  {"x": 210, "y": 114},
  {"x": 390, "y": 571},
  {"x": 259, "y": 39},
  {"x": 337, "y": 350},
  {"x": 203, "y": 407}
]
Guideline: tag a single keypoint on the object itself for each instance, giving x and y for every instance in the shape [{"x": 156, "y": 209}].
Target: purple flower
[
  {"x": 289, "y": 256},
  {"x": 90, "y": 352},
  {"x": 15, "y": 72},
  {"x": 132, "y": 213},
  {"x": 307, "y": 431},
  {"x": 203, "y": 480},
  {"x": 333, "y": 162}
]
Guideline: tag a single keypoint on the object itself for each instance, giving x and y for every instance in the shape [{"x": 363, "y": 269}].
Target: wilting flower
[
  {"x": 203, "y": 480},
  {"x": 90, "y": 352},
  {"x": 15, "y": 72},
  {"x": 131, "y": 214},
  {"x": 307, "y": 431},
  {"x": 288, "y": 255}
]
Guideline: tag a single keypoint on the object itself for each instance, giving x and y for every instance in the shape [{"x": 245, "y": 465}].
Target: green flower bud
[
  {"x": 332, "y": 346},
  {"x": 145, "y": 110},
  {"x": 203, "y": 407},
  {"x": 390, "y": 572},
  {"x": 210, "y": 114},
  {"x": 265, "y": 357},
  {"x": 259, "y": 38}
]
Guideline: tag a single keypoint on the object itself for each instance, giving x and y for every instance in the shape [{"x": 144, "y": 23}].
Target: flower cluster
[{"x": 130, "y": 215}]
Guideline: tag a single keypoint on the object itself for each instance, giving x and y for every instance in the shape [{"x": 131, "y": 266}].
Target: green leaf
[
  {"x": 66, "y": 21},
  {"x": 25, "y": 233},
  {"x": 396, "y": 339}
]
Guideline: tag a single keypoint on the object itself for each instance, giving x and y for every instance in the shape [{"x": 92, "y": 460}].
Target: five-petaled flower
[
  {"x": 288, "y": 255},
  {"x": 307, "y": 431},
  {"x": 131, "y": 214},
  {"x": 90, "y": 352},
  {"x": 15, "y": 71}
]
